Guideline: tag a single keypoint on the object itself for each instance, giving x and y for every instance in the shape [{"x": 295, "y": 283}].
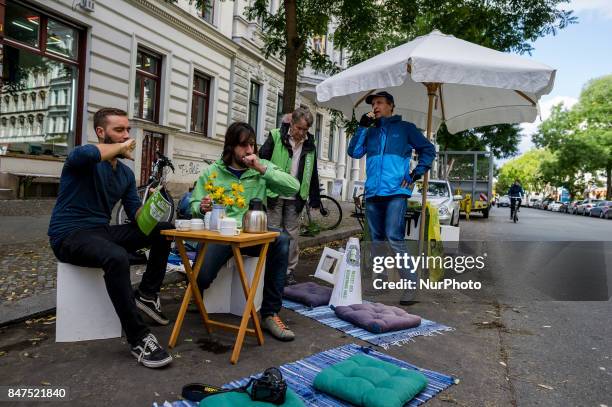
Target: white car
[
  {"x": 555, "y": 206},
  {"x": 440, "y": 196}
]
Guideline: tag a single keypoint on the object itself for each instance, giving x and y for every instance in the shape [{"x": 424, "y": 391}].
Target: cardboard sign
[
  {"x": 347, "y": 288},
  {"x": 329, "y": 264}
]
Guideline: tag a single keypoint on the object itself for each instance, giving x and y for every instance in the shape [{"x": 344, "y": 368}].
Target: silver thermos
[{"x": 255, "y": 220}]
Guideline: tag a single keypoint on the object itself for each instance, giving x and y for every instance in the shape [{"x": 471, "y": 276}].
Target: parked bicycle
[
  {"x": 326, "y": 217},
  {"x": 159, "y": 174}
]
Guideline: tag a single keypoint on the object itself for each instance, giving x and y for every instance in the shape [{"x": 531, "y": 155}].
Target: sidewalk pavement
[{"x": 28, "y": 266}]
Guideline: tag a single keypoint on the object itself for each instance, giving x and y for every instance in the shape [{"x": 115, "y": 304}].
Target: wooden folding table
[{"x": 237, "y": 242}]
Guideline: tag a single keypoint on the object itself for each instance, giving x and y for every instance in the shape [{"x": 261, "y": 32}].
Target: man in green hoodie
[{"x": 240, "y": 170}]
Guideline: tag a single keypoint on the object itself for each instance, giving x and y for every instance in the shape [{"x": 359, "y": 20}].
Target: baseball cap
[{"x": 384, "y": 94}]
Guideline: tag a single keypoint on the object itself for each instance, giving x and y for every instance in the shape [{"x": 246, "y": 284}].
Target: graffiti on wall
[{"x": 190, "y": 168}]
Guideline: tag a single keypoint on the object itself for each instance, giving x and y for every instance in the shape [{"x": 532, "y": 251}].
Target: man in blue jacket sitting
[{"x": 388, "y": 142}]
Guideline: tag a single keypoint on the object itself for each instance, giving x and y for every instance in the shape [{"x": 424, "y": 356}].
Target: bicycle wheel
[
  {"x": 328, "y": 216},
  {"x": 121, "y": 218}
]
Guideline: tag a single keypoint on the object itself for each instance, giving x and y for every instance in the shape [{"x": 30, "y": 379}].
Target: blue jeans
[
  {"x": 387, "y": 223},
  {"x": 274, "y": 277},
  {"x": 386, "y": 219}
]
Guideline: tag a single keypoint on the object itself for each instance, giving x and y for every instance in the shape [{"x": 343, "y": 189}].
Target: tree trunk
[
  {"x": 295, "y": 46},
  {"x": 609, "y": 182}
]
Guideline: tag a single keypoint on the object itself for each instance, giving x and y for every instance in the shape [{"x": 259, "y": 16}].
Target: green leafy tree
[
  {"x": 580, "y": 138},
  {"x": 526, "y": 168},
  {"x": 594, "y": 112},
  {"x": 364, "y": 28}
]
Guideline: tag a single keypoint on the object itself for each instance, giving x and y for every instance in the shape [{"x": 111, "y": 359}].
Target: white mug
[
  {"x": 183, "y": 224},
  {"x": 228, "y": 227},
  {"x": 197, "y": 224}
]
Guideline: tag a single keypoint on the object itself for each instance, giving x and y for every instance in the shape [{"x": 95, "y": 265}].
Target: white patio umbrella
[{"x": 438, "y": 78}]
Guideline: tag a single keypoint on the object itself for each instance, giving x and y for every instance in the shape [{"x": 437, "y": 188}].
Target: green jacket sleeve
[
  {"x": 279, "y": 181},
  {"x": 199, "y": 193}
]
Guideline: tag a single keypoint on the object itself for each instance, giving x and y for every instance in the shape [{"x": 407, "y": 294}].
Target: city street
[{"x": 514, "y": 343}]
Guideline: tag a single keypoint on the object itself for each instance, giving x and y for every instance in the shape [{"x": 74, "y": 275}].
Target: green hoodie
[{"x": 255, "y": 186}]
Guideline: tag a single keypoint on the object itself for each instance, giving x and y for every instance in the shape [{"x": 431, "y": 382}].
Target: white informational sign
[
  {"x": 328, "y": 266},
  {"x": 347, "y": 289}
]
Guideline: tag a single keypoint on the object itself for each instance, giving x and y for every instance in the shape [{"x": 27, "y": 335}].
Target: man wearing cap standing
[{"x": 388, "y": 141}]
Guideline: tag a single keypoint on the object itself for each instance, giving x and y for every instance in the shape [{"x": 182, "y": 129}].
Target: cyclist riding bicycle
[{"x": 516, "y": 194}]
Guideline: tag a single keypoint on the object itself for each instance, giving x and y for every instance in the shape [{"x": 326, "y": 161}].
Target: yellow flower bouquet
[{"x": 219, "y": 195}]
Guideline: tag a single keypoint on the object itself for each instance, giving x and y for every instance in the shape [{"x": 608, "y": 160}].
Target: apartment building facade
[{"x": 183, "y": 76}]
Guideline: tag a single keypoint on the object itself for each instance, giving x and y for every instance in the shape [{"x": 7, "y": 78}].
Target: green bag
[
  {"x": 154, "y": 210},
  {"x": 231, "y": 399}
]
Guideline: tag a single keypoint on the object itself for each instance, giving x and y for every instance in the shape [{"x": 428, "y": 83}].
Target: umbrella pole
[{"x": 432, "y": 89}]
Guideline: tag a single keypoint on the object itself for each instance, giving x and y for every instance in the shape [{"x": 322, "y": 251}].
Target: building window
[
  {"x": 209, "y": 10},
  {"x": 147, "y": 87},
  {"x": 254, "y": 105},
  {"x": 279, "y": 111},
  {"x": 41, "y": 56},
  {"x": 330, "y": 146},
  {"x": 200, "y": 103},
  {"x": 318, "y": 124}
]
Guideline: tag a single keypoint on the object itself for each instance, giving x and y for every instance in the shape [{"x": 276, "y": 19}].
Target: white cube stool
[
  {"x": 84, "y": 309},
  {"x": 225, "y": 294}
]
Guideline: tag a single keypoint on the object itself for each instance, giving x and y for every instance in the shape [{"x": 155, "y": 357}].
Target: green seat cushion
[
  {"x": 365, "y": 381},
  {"x": 234, "y": 398}
]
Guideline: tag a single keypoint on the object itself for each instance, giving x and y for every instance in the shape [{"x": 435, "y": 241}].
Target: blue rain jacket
[{"x": 389, "y": 147}]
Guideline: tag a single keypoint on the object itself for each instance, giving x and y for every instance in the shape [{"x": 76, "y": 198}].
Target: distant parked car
[
  {"x": 586, "y": 209},
  {"x": 580, "y": 207},
  {"x": 504, "y": 201},
  {"x": 571, "y": 208},
  {"x": 537, "y": 204},
  {"x": 564, "y": 206},
  {"x": 600, "y": 209},
  {"x": 532, "y": 202},
  {"x": 555, "y": 206},
  {"x": 546, "y": 202}
]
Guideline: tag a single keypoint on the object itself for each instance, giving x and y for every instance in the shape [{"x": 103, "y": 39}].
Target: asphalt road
[{"x": 538, "y": 333}]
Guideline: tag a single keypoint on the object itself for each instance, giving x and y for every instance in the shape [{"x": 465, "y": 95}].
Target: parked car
[
  {"x": 580, "y": 207},
  {"x": 564, "y": 206},
  {"x": 555, "y": 206},
  {"x": 440, "y": 196},
  {"x": 532, "y": 202},
  {"x": 504, "y": 201},
  {"x": 537, "y": 204},
  {"x": 571, "y": 208},
  {"x": 546, "y": 202},
  {"x": 586, "y": 208},
  {"x": 600, "y": 209}
]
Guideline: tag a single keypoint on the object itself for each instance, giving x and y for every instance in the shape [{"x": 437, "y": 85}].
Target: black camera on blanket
[{"x": 270, "y": 387}]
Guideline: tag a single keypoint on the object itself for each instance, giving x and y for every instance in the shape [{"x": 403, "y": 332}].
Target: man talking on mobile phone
[{"x": 388, "y": 142}]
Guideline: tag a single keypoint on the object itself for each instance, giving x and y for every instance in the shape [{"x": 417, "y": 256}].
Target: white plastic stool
[
  {"x": 225, "y": 294},
  {"x": 84, "y": 310}
]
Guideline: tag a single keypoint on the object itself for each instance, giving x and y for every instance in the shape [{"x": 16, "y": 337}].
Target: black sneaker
[
  {"x": 151, "y": 307},
  {"x": 149, "y": 352}
]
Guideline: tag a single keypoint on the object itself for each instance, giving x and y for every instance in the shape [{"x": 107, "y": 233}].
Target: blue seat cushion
[
  {"x": 377, "y": 318},
  {"x": 366, "y": 381},
  {"x": 310, "y": 294}
]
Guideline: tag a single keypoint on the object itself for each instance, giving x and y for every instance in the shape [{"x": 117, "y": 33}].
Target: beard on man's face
[{"x": 238, "y": 161}]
